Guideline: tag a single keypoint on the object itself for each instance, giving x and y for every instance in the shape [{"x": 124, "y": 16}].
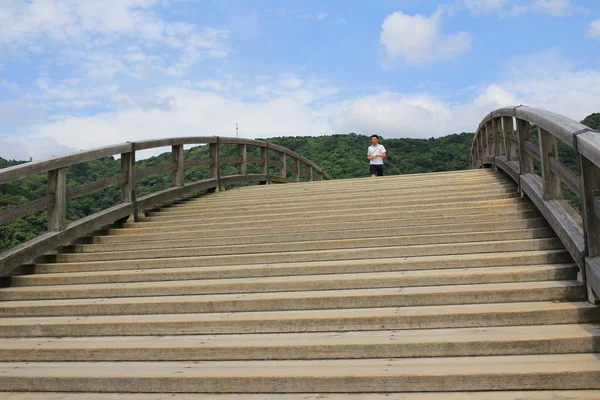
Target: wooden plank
[
  {"x": 92, "y": 187},
  {"x": 566, "y": 176},
  {"x": 57, "y": 209},
  {"x": 26, "y": 252},
  {"x": 128, "y": 173},
  {"x": 588, "y": 145},
  {"x": 560, "y": 126},
  {"x": 590, "y": 190},
  {"x": 11, "y": 214},
  {"x": 566, "y": 227},
  {"x": 525, "y": 159},
  {"x": 549, "y": 151},
  {"x": 231, "y": 160},
  {"x": 592, "y": 274},
  {"x": 24, "y": 170},
  {"x": 255, "y": 160},
  {"x": 165, "y": 142},
  {"x": 177, "y": 166},
  {"x": 154, "y": 199},
  {"x": 532, "y": 150},
  {"x": 243, "y": 163},
  {"x": 283, "y": 164},
  {"x": 157, "y": 169},
  {"x": 511, "y": 168},
  {"x": 196, "y": 163},
  {"x": 248, "y": 142}
]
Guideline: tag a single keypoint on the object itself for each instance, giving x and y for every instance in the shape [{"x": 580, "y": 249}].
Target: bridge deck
[{"x": 446, "y": 283}]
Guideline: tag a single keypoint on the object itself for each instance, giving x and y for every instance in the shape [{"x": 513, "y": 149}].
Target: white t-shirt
[{"x": 374, "y": 151}]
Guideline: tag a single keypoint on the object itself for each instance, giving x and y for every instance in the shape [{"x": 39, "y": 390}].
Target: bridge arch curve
[
  {"x": 523, "y": 142},
  {"x": 275, "y": 164}
]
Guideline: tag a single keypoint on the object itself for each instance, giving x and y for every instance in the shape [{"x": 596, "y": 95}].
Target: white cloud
[
  {"x": 485, "y": 6},
  {"x": 322, "y": 16},
  {"x": 417, "y": 39},
  {"x": 24, "y": 148},
  {"x": 9, "y": 85},
  {"x": 594, "y": 30},
  {"x": 555, "y": 8},
  {"x": 92, "y": 30}
]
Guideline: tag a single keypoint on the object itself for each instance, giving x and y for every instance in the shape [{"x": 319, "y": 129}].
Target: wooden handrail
[
  {"x": 581, "y": 236},
  {"x": 59, "y": 233}
]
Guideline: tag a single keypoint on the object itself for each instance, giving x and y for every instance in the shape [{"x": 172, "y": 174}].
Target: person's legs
[
  {"x": 380, "y": 170},
  {"x": 373, "y": 170}
]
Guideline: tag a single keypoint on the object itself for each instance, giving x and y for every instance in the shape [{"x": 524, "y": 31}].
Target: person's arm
[{"x": 382, "y": 155}]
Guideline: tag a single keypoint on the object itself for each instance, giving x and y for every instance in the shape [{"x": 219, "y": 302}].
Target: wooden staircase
[{"x": 386, "y": 288}]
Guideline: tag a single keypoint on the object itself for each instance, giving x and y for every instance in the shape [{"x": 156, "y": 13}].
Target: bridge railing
[
  {"x": 55, "y": 202},
  {"x": 504, "y": 140}
]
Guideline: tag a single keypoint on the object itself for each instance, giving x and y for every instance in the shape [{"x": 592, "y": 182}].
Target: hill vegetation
[{"x": 342, "y": 156}]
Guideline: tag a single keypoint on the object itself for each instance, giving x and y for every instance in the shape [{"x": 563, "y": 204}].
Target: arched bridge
[{"x": 477, "y": 284}]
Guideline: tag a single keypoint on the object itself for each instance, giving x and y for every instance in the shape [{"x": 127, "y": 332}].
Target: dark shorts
[{"x": 376, "y": 169}]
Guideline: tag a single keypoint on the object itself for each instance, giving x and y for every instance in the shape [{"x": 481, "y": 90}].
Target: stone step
[
  {"x": 305, "y": 223},
  {"x": 367, "y": 206},
  {"x": 461, "y": 342},
  {"x": 198, "y": 248},
  {"x": 296, "y": 283},
  {"x": 366, "y": 209},
  {"x": 318, "y": 202},
  {"x": 324, "y": 197},
  {"x": 488, "y": 395},
  {"x": 301, "y": 300},
  {"x": 56, "y": 274},
  {"x": 337, "y": 320},
  {"x": 189, "y": 257},
  {"x": 351, "y": 185},
  {"x": 530, "y": 372},
  {"x": 108, "y": 243},
  {"x": 481, "y": 248},
  {"x": 302, "y": 225}
]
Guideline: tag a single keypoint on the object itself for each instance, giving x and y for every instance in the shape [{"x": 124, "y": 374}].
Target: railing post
[
  {"x": 298, "y": 169},
  {"x": 128, "y": 194},
  {"x": 283, "y": 160},
  {"x": 57, "y": 211},
  {"x": 526, "y": 160},
  {"x": 509, "y": 147},
  {"x": 177, "y": 172},
  {"x": 499, "y": 147},
  {"x": 548, "y": 150},
  {"x": 264, "y": 154},
  {"x": 310, "y": 173},
  {"x": 590, "y": 201},
  {"x": 214, "y": 164},
  {"x": 243, "y": 166}
]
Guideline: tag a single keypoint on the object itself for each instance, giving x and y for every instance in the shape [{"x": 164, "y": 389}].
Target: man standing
[{"x": 376, "y": 154}]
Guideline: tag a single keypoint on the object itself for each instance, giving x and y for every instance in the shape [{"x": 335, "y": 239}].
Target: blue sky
[{"x": 78, "y": 74}]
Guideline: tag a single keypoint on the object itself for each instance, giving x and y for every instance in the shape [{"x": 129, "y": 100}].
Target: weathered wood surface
[
  {"x": 26, "y": 252},
  {"x": 55, "y": 202},
  {"x": 581, "y": 237}
]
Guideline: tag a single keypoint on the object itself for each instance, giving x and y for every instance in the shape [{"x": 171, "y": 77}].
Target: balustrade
[
  {"x": 516, "y": 153},
  {"x": 60, "y": 233}
]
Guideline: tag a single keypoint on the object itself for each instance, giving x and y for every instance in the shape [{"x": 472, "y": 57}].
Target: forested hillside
[{"x": 342, "y": 156}]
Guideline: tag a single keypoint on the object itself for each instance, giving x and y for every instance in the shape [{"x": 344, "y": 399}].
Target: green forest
[{"x": 342, "y": 156}]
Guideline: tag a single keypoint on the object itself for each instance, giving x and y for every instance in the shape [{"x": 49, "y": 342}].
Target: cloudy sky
[{"x": 78, "y": 74}]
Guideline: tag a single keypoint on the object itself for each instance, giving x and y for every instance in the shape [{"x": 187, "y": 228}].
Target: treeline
[{"x": 342, "y": 156}]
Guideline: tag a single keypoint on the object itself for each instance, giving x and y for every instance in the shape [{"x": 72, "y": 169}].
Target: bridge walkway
[{"x": 432, "y": 287}]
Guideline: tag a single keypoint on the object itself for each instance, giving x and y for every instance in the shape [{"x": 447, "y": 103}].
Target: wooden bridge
[{"x": 478, "y": 284}]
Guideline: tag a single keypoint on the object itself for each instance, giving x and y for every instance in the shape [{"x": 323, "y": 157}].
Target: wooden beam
[
  {"x": 548, "y": 151},
  {"x": 57, "y": 190}
]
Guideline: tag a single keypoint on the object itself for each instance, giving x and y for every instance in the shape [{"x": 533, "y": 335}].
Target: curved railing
[
  {"x": 505, "y": 140},
  {"x": 60, "y": 233}
]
